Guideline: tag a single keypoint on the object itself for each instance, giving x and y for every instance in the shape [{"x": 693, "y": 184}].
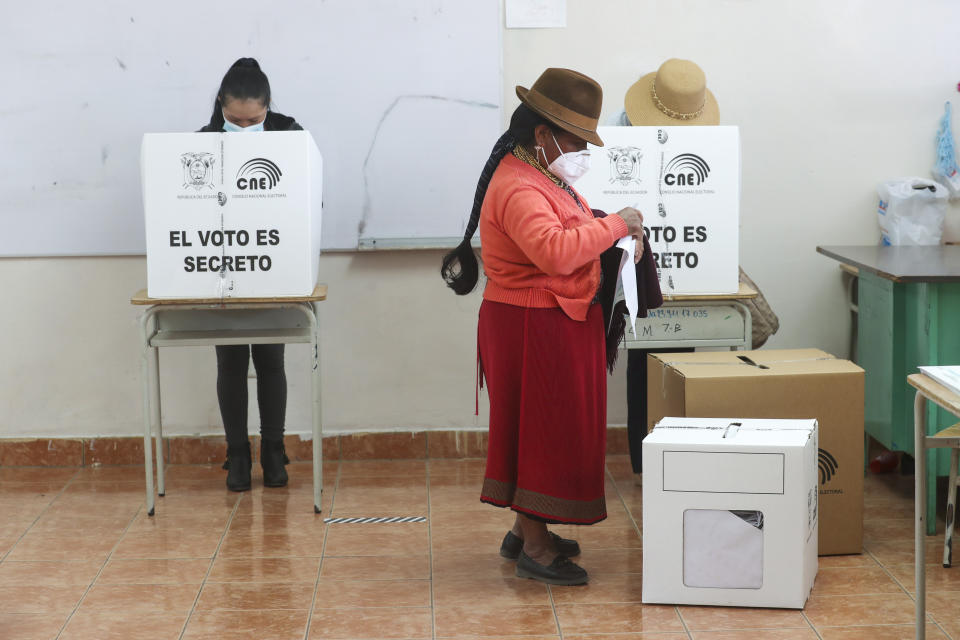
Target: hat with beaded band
[{"x": 676, "y": 94}]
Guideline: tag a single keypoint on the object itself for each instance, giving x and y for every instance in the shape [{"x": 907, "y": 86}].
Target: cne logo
[
  {"x": 258, "y": 174},
  {"x": 686, "y": 170},
  {"x": 828, "y": 466}
]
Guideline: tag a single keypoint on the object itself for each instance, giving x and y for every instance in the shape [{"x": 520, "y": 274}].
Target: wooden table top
[
  {"x": 936, "y": 263},
  {"x": 744, "y": 293},
  {"x": 141, "y": 297},
  {"x": 936, "y": 392}
]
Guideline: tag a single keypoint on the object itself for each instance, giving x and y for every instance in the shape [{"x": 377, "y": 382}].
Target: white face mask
[
  {"x": 569, "y": 166},
  {"x": 235, "y": 128}
]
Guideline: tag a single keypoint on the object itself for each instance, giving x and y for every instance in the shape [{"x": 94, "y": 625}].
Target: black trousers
[
  {"x": 232, "y": 363},
  {"x": 637, "y": 401}
]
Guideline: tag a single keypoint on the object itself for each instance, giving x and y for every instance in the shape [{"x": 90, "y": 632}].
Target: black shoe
[
  {"x": 562, "y": 571},
  {"x": 273, "y": 457},
  {"x": 238, "y": 466},
  {"x": 513, "y": 544}
]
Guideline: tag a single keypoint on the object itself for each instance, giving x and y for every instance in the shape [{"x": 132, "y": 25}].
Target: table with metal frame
[
  {"x": 215, "y": 321},
  {"x": 929, "y": 389}
]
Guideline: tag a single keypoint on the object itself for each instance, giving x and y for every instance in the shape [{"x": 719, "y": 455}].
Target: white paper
[
  {"x": 628, "y": 279},
  {"x": 947, "y": 376},
  {"x": 721, "y": 551},
  {"x": 536, "y": 14}
]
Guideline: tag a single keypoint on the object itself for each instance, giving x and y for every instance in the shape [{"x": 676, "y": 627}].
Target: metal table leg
[
  {"x": 316, "y": 412},
  {"x": 157, "y": 421},
  {"x": 951, "y": 508},
  {"x": 147, "y": 413},
  {"x": 920, "y": 508}
]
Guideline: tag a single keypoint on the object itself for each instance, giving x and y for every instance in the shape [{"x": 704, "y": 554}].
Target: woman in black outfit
[{"x": 243, "y": 105}]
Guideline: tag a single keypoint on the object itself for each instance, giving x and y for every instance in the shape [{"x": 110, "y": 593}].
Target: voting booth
[
  {"x": 686, "y": 183},
  {"x": 730, "y": 512},
  {"x": 231, "y": 214}
]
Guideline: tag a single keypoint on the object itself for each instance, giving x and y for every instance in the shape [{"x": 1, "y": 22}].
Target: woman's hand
[{"x": 634, "y": 220}]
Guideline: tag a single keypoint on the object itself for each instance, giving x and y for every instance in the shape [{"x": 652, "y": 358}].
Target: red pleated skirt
[{"x": 546, "y": 380}]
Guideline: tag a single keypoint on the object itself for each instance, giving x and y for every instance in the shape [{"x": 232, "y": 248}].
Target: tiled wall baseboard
[{"x": 79, "y": 452}]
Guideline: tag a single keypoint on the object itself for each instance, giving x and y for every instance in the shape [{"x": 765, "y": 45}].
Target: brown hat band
[{"x": 560, "y": 112}]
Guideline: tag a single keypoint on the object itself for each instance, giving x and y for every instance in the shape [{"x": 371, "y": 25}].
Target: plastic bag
[{"x": 911, "y": 211}]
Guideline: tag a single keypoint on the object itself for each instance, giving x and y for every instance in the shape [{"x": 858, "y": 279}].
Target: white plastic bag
[{"x": 911, "y": 211}]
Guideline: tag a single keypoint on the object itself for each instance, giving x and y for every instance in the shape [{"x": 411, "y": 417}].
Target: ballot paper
[
  {"x": 628, "y": 279},
  {"x": 722, "y": 549}
]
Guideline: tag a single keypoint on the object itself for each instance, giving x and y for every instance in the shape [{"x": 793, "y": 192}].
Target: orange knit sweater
[{"x": 539, "y": 248}]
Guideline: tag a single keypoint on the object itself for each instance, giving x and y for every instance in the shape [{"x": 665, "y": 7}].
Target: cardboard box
[
  {"x": 794, "y": 383},
  {"x": 730, "y": 512},
  {"x": 231, "y": 214},
  {"x": 686, "y": 181}
]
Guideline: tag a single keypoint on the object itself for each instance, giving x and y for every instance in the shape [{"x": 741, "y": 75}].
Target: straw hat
[
  {"x": 568, "y": 99},
  {"x": 676, "y": 94}
]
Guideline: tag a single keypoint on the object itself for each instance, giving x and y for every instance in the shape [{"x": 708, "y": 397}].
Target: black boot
[
  {"x": 273, "y": 457},
  {"x": 238, "y": 464}
]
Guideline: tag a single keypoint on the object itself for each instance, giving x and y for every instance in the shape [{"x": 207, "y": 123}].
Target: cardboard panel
[{"x": 231, "y": 214}]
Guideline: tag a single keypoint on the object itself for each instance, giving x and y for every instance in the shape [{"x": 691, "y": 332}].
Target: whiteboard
[{"x": 402, "y": 97}]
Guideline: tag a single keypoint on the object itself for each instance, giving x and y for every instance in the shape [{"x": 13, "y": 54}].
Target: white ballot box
[
  {"x": 730, "y": 512},
  {"x": 686, "y": 183},
  {"x": 231, "y": 214}
]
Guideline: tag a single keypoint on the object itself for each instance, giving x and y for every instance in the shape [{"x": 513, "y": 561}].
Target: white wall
[{"x": 831, "y": 97}]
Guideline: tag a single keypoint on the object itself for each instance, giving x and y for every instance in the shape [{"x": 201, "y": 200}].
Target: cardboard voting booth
[
  {"x": 780, "y": 384},
  {"x": 686, "y": 183},
  {"x": 231, "y": 214},
  {"x": 730, "y": 512}
]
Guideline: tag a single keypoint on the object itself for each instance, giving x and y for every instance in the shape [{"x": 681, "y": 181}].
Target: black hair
[
  {"x": 460, "y": 268},
  {"x": 243, "y": 80}
]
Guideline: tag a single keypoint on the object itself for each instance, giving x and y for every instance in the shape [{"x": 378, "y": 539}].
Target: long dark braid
[{"x": 460, "y": 268}]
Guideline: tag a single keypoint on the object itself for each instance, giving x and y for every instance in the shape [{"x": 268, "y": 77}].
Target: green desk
[{"x": 909, "y": 315}]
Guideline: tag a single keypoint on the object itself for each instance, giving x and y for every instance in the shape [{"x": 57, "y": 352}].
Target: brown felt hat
[
  {"x": 568, "y": 99},
  {"x": 676, "y": 94}
]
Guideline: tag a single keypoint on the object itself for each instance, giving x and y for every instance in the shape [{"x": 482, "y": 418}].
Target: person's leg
[
  {"x": 232, "y": 363},
  {"x": 271, "y": 389},
  {"x": 536, "y": 540},
  {"x": 636, "y": 405},
  {"x": 272, "y": 400},
  {"x": 637, "y": 401}
]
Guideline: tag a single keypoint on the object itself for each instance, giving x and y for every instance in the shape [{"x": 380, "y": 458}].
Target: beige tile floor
[{"x": 79, "y": 559}]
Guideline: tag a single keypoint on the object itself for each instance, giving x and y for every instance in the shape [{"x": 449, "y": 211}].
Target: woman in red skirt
[{"x": 541, "y": 332}]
